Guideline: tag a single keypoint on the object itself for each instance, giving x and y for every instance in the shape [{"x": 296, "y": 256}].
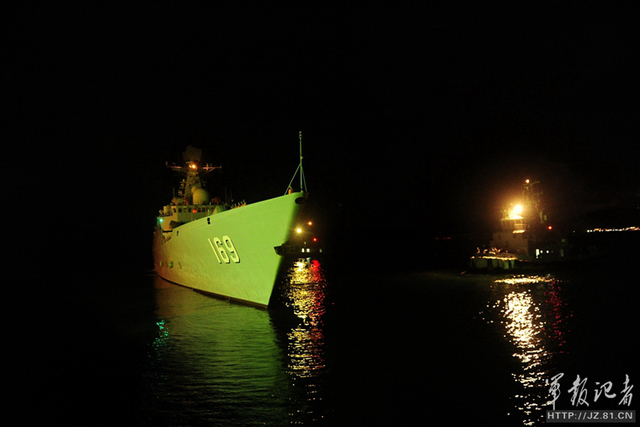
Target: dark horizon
[{"x": 423, "y": 117}]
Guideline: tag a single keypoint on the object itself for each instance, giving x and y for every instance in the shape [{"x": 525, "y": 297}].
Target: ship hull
[{"x": 229, "y": 254}]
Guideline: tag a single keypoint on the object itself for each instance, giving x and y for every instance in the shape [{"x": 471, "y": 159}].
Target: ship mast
[
  {"x": 531, "y": 196},
  {"x": 303, "y": 183},
  {"x": 301, "y": 170},
  {"x": 192, "y": 173}
]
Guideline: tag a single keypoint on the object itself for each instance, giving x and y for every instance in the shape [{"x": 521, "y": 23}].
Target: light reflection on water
[
  {"x": 303, "y": 291},
  {"x": 212, "y": 363},
  {"x": 533, "y": 314},
  {"x": 217, "y": 363}
]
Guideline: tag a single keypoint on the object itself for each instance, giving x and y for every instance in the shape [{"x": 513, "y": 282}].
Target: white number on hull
[
  {"x": 224, "y": 250},
  {"x": 231, "y": 249}
]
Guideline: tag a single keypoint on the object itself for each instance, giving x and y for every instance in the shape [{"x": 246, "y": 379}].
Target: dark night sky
[{"x": 427, "y": 115}]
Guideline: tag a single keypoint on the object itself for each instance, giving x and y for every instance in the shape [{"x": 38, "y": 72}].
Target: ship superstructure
[
  {"x": 524, "y": 234},
  {"x": 522, "y": 225},
  {"x": 233, "y": 251},
  {"x": 525, "y": 229}
]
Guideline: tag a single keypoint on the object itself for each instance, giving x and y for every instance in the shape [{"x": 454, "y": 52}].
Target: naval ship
[{"x": 233, "y": 252}]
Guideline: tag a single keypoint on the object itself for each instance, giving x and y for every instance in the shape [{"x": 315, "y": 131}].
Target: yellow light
[
  {"x": 516, "y": 212},
  {"x": 298, "y": 230},
  {"x": 526, "y": 181},
  {"x": 310, "y": 223}
]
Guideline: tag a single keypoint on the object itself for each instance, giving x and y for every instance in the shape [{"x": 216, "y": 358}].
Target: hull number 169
[{"x": 224, "y": 249}]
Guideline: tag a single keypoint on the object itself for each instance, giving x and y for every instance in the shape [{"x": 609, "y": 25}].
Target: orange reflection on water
[
  {"x": 530, "y": 308},
  {"x": 304, "y": 291}
]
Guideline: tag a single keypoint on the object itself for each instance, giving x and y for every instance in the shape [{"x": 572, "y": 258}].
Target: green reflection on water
[
  {"x": 226, "y": 364},
  {"x": 213, "y": 362}
]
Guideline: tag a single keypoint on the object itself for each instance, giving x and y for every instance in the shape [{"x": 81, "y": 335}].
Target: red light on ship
[{"x": 550, "y": 228}]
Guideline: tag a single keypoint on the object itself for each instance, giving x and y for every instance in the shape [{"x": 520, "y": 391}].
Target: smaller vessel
[
  {"x": 304, "y": 243},
  {"x": 524, "y": 235}
]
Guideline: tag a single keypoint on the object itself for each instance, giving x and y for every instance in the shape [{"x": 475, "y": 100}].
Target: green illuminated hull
[{"x": 230, "y": 253}]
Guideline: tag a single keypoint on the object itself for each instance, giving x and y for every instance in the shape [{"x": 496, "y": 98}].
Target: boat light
[{"x": 516, "y": 212}]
